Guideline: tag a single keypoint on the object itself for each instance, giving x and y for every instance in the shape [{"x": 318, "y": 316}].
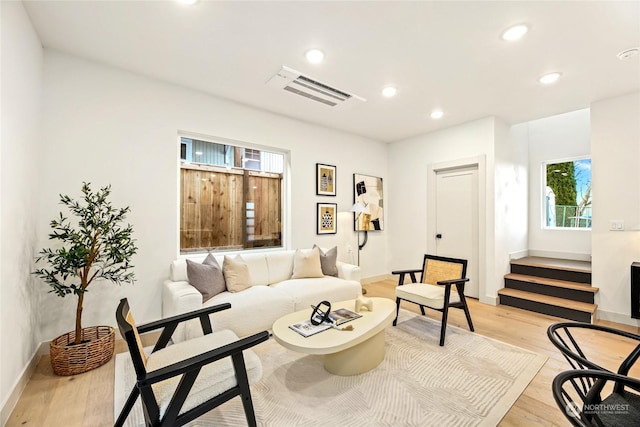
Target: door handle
[{"x": 438, "y": 236}]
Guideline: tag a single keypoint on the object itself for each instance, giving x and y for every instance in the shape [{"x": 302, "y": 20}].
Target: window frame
[
  {"x": 543, "y": 207},
  {"x": 285, "y": 205}
]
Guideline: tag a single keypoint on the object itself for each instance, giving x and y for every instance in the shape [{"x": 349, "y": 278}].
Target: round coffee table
[{"x": 345, "y": 352}]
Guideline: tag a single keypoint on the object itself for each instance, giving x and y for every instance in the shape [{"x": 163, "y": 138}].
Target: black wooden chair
[
  {"x": 593, "y": 406},
  {"x": 434, "y": 290},
  {"x": 181, "y": 382},
  {"x": 566, "y": 337}
]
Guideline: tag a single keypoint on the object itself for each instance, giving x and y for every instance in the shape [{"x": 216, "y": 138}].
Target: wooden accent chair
[
  {"x": 437, "y": 276},
  {"x": 565, "y": 336},
  {"x": 587, "y": 407},
  {"x": 181, "y": 382}
]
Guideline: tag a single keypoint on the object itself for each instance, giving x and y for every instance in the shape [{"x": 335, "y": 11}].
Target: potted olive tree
[{"x": 94, "y": 246}]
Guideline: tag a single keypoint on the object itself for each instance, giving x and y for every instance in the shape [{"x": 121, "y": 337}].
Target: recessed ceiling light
[
  {"x": 549, "y": 78},
  {"x": 626, "y": 54},
  {"x": 315, "y": 56},
  {"x": 515, "y": 33},
  {"x": 389, "y": 91},
  {"x": 188, "y": 2},
  {"x": 436, "y": 114}
]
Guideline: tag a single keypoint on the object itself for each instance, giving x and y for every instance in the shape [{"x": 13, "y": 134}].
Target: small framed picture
[
  {"x": 325, "y": 180},
  {"x": 327, "y": 218}
]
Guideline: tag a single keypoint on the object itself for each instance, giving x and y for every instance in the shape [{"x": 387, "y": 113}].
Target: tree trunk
[{"x": 79, "y": 319}]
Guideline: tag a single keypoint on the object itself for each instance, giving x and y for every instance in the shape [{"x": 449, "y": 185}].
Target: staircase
[{"x": 560, "y": 288}]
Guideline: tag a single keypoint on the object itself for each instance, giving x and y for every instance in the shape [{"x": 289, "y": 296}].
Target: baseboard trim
[
  {"x": 624, "y": 319},
  {"x": 519, "y": 254},
  {"x": 371, "y": 279},
  {"x": 21, "y": 382},
  {"x": 560, "y": 255},
  {"x": 489, "y": 300}
]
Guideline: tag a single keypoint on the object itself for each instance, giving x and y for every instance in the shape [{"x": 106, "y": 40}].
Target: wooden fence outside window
[{"x": 222, "y": 209}]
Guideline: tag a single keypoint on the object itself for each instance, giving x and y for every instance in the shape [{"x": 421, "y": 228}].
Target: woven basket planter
[{"x": 95, "y": 350}]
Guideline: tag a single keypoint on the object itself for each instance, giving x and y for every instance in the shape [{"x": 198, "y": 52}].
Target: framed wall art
[
  {"x": 367, "y": 194},
  {"x": 325, "y": 180},
  {"x": 327, "y": 213}
]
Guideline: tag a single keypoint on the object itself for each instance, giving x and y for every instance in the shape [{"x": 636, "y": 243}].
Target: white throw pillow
[
  {"x": 236, "y": 274},
  {"x": 306, "y": 264}
]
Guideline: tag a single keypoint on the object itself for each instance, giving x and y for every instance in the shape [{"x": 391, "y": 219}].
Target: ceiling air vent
[{"x": 295, "y": 82}]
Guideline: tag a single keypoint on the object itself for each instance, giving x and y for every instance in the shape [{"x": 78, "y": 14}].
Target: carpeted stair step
[
  {"x": 553, "y": 306},
  {"x": 550, "y": 268},
  {"x": 551, "y": 287}
]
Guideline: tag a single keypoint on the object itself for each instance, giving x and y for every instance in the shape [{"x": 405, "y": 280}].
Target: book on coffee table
[
  {"x": 343, "y": 315},
  {"x": 338, "y": 317},
  {"x": 306, "y": 328}
]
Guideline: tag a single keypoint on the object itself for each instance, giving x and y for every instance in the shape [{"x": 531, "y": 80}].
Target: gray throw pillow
[
  {"x": 328, "y": 261},
  {"x": 206, "y": 277}
]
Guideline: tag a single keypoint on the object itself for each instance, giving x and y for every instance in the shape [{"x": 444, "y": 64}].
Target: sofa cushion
[
  {"x": 306, "y": 292},
  {"x": 258, "y": 269},
  {"x": 236, "y": 274},
  {"x": 214, "y": 378},
  {"x": 280, "y": 265},
  {"x": 206, "y": 277},
  {"x": 252, "y": 310},
  {"x": 427, "y": 295},
  {"x": 306, "y": 263},
  {"x": 328, "y": 261},
  {"x": 178, "y": 268}
]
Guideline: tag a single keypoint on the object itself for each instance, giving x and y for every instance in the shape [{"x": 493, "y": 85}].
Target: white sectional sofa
[{"x": 273, "y": 293}]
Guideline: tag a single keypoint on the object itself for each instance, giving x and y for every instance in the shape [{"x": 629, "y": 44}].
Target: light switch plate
[{"x": 616, "y": 225}]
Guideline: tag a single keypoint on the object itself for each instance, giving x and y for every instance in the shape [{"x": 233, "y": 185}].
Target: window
[
  {"x": 567, "y": 195},
  {"x": 230, "y": 197}
]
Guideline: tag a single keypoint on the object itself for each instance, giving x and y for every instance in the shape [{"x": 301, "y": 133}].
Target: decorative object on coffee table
[
  {"x": 325, "y": 180},
  {"x": 94, "y": 245},
  {"x": 327, "y": 218},
  {"x": 364, "y": 302}
]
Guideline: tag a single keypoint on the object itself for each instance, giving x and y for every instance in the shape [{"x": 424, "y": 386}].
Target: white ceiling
[{"x": 446, "y": 55}]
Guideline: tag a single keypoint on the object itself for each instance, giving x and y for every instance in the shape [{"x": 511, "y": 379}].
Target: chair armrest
[
  {"x": 203, "y": 359},
  {"x": 147, "y": 327},
  {"x": 170, "y": 324},
  {"x": 414, "y": 271},
  {"x": 452, "y": 282},
  {"x": 402, "y": 273}
]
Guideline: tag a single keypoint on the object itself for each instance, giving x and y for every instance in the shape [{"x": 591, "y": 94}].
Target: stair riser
[
  {"x": 552, "y": 291},
  {"x": 551, "y": 310},
  {"x": 552, "y": 273}
]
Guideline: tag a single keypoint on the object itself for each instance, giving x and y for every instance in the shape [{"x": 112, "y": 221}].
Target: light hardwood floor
[{"x": 87, "y": 399}]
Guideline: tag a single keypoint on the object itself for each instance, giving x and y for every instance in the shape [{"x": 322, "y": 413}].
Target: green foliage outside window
[{"x": 561, "y": 179}]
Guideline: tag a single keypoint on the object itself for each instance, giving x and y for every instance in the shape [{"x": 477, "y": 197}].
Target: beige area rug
[{"x": 471, "y": 381}]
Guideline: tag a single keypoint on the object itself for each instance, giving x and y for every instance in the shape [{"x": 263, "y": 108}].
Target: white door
[{"x": 457, "y": 220}]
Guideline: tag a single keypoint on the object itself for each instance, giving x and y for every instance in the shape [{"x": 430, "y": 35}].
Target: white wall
[
  {"x": 511, "y": 196},
  {"x": 615, "y": 146},
  {"x": 408, "y": 163},
  {"x": 558, "y": 137},
  {"x": 21, "y": 88},
  {"x": 107, "y": 126}
]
